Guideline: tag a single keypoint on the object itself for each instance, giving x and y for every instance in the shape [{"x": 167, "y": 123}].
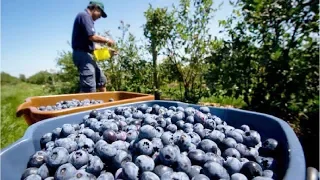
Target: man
[{"x": 84, "y": 38}]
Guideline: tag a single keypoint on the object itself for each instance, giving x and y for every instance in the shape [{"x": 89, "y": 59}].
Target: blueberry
[
  {"x": 199, "y": 117},
  {"x": 172, "y": 128},
  {"x": 180, "y": 176},
  {"x": 131, "y": 135},
  {"x": 210, "y": 124},
  {"x": 215, "y": 171},
  {"x": 96, "y": 137},
  {"x": 65, "y": 171},
  {"x": 269, "y": 173},
  {"x": 79, "y": 158},
  {"x": 45, "y": 139},
  {"x": 187, "y": 127},
  {"x": 251, "y": 138},
  {"x": 251, "y": 169},
  {"x": 184, "y": 142},
  {"x": 177, "y": 117},
  {"x": 214, "y": 157},
  {"x": 216, "y": 136},
  {"x": 161, "y": 122},
  {"x": 208, "y": 146},
  {"x": 56, "y": 133},
  {"x": 83, "y": 175},
  {"x": 130, "y": 171},
  {"x": 121, "y": 136},
  {"x": 37, "y": 159},
  {"x": 159, "y": 131},
  {"x": 235, "y": 135},
  {"x": 168, "y": 114},
  {"x": 195, "y": 138},
  {"x": 43, "y": 171},
  {"x": 242, "y": 149},
  {"x": 67, "y": 129},
  {"x": 137, "y": 114},
  {"x": 183, "y": 163},
  {"x": 57, "y": 157},
  {"x": 149, "y": 176},
  {"x": 238, "y": 176},
  {"x": 190, "y": 119},
  {"x": 155, "y": 109},
  {"x": 121, "y": 145},
  {"x": 109, "y": 126},
  {"x": 161, "y": 169},
  {"x": 266, "y": 162},
  {"x": 67, "y": 143},
  {"x": 228, "y": 143},
  {"x": 147, "y": 132},
  {"x": 167, "y": 138},
  {"x": 93, "y": 114},
  {"x": 200, "y": 177},
  {"x": 121, "y": 158},
  {"x": 109, "y": 136},
  {"x": 87, "y": 145},
  {"x": 157, "y": 144},
  {"x": 232, "y": 165},
  {"x": 106, "y": 152},
  {"x": 189, "y": 111},
  {"x": 95, "y": 166},
  {"x": 269, "y": 147},
  {"x": 33, "y": 177},
  {"x": 145, "y": 147},
  {"x": 197, "y": 157},
  {"x": 145, "y": 163},
  {"x": 87, "y": 132},
  {"x": 194, "y": 171},
  {"x": 29, "y": 171},
  {"x": 204, "y": 109},
  {"x": 231, "y": 152},
  {"x": 180, "y": 124},
  {"x": 143, "y": 108},
  {"x": 168, "y": 155},
  {"x": 106, "y": 176},
  {"x": 200, "y": 131},
  {"x": 49, "y": 146}
]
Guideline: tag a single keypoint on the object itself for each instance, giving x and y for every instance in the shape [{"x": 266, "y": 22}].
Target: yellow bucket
[{"x": 101, "y": 54}]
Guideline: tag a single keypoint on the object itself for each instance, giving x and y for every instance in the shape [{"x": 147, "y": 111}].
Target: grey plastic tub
[{"x": 14, "y": 158}]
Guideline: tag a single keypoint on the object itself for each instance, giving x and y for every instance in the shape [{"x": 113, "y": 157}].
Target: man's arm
[
  {"x": 90, "y": 31},
  {"x": 100, "y": 39}
]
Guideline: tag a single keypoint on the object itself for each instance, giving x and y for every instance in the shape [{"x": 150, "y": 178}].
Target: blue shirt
[{"x": 83, "y": 27}]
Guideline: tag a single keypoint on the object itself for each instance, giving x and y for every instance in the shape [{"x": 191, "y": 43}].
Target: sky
[{"x": 34, "y": 32}]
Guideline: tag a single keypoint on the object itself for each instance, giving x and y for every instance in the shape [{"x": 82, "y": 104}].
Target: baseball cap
[{"x": 100, "y": 5}]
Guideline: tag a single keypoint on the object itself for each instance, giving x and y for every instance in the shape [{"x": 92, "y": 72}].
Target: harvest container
[
  {"x": 291, "y": 163},
  {"x": 31, "y": 114}
]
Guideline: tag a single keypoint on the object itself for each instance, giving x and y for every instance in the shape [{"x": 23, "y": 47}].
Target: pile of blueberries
[
  {"x": 69, "y": 104},
  {"x": 153, "y": 143}
]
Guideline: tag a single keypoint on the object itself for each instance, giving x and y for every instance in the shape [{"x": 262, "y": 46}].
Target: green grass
[
  {"x": 225, "y": 100},
  {"x": 13, "y": 128}
]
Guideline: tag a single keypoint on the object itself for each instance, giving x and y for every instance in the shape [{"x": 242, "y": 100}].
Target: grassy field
[{"x": 13, "y": 128}]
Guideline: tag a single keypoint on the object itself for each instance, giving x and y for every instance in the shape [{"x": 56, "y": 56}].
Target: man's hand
[
  {"x": 110, "y": 42},
  {"x": 113, "y": 52}
]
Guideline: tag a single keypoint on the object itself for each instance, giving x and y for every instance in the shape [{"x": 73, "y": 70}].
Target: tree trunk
[{"x": 155, "y": 73}]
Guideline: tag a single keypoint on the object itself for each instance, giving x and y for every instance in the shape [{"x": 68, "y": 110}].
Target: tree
[
  {"x": 22, "y": 77},
  {"x": 271, "y": 60},
  {"x": 157, "y": 30},
  {"x": 187, "y": 47}
]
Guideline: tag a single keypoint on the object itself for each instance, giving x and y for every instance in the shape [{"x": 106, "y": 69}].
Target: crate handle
[{"x": 22, "y": 108}]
